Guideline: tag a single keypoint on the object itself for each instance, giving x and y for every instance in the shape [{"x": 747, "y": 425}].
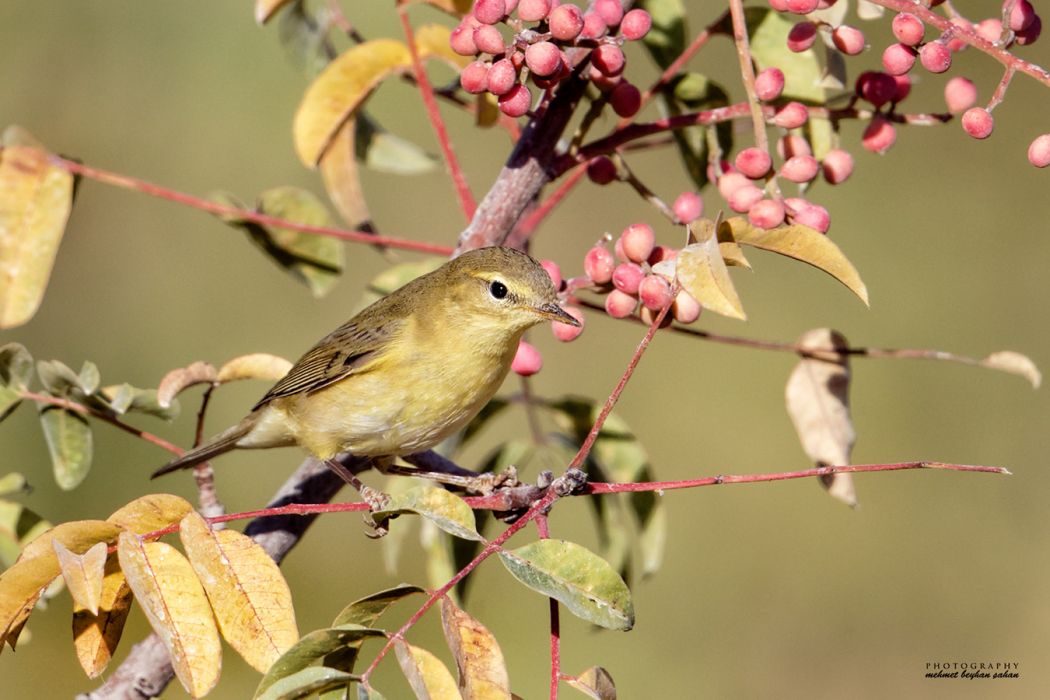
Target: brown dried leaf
[
  {"x": 817, "y": 397},
  {"x": 83, "y": 573},
  {"x": 429, "y": 678},
  {"x": 482, "y": 671},
  {"x": 258, "y": 365},
  {"x": 249, "y": 595},
  {"x": 595, "y": 683},
  {"x": 1015, "y": 363},
  {"x": 95, "y": 637},
  {"x": 152, "y": 512},
  {"x": 177, "y": 608},
  {"x": 175, "y": 381},
  {"x": 702, "y": 272}
]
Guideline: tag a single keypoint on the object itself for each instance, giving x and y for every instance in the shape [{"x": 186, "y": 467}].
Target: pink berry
[
  {"x": 838, "y": 166},
  {"x": 490, "y": 11},
  {"x": 527, "y": 360},
  {"x": 898, "y": 59},
  {"x": 611, "y": 11},
  {"x": 688, "y": 207},
  {"x": 814, "y": 216},
  {"x": 978, "y": 122},
  {"x": 956, "y": 44},
  {"x": 879, "y": 136},
  {"x": 598, "y": 265},
  {"x": 730, "y": 183},
  {"x": 935, "y": 57},
  {"x": 769, "y": 84},
  {"x": 563, "y": 331},
  {"x": 661, "y": 253},
  {"x": 565, "y": 22},
  {"x": 1021, "y": 15},
  {"x": 779, "y": 5},
  {"x": 960, "y": 94},
  {"x": 800, "y": 168},
  {"x": 637, "y": 241},
  {"x": 801, "y": 7},
  {"x": 601, "y": 170},
  {"x": 908, "y": 29},
  {"x": 877, "y": 88},
  {"x": 607, "y": 58},
  {"x": 636, "y": 24},
  {"x": 655, "y": 292},
  {"x": 516, "y": 101},
  {"x": 791, "y": 145},
  {"x": 1031, "y": 33},
  {"x": 802, "y": 36},
  {"x": 849, "y": 40},
  {"x": 753, "y": 162},
  {"x": 553, "y": 271},
  {"x": 543, "y": 58},
  {"x": 502, "y": 76},
  {"x": 488, "y": 39},
  {"x": 1039, "y": 151},
  {"x": 990, "y": 29},
  {"x": 686, "y": 309},
  {"x": 593, "y": 26},
  {"x": 627, "y": 276},
  {"x": 625, "y": 99},
  {"x": 474, "y": 77},
  {"x": 533, "y": 10},
  {"x": 462, "y": 40},
  {"x": 791, "y": 116},
  {"x": 767, "y": 213},
  {"x": 600, "y": 80},
  {"x": 743, "y": 198},
  {"x": 620, "y": 304},
  {"x": 903, "y": 87}
]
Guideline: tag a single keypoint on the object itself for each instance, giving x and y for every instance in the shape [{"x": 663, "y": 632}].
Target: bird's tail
[{"x": 223, "y": 442}]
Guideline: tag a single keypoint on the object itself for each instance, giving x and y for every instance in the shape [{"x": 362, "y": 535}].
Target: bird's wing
[{"x": 347, "y": 350}]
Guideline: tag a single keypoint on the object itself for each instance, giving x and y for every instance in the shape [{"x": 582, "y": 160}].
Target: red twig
[
  {"x": 466, "y": 199},
  {"x": 536, "y": 217},
  {"x": 132, "y": 183},
  {"x": 555, "y": 617}
]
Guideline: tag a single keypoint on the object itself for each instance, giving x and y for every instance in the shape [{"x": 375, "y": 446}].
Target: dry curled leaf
[
  {"x": 482, "y": 671},
  {"x": 177, "y": 380},
  {"x": 266, "y": 9},
  {"x": 595, "y": 683},
  {"x": 429, "y": 678},
  {"x": 258, "y": 365},
  {"x": 701, "y": 270},
  {"x": 1015, "y": 363}
]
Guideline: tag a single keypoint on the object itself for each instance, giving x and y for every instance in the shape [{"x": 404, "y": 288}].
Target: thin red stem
[
  {"x": 555, "y": 616},
  {"x": 536, "y": 217}
]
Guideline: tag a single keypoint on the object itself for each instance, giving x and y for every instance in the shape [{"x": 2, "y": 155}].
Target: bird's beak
[{"x": 555, "y": 313}]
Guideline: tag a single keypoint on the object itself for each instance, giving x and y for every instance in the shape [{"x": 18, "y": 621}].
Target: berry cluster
[{"x": 537, "y": 53}]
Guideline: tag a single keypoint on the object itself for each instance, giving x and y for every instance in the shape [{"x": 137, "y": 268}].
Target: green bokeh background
[{"x": 769, "y": 590}]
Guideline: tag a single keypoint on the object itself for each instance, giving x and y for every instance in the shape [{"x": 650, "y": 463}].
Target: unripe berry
[
  {"x": 876, "y": 87},
  {"x": 791, "y": 145},
  {"x": 1039, "y": 151},
  {"x": 611, "y": 11},
  {"x": 849, "y": 40},
  {"x": 462, "y": 39},
  {"x": 598, "y": 265},
  {"x": 565, "y": 22},
  {"x": 533, "y": 10},
  {"x": 814, "y": 216},
  {"x": 502, "y": 77},
  {"x": 527, "y": 360},
  {"x": 637, "y": 241},
  {"x": 1021, "y": 16},
  {"x": 802, "y": 36},
  {"x": 960, "y": 94},
  {"x": 743, "y": 198},
  {"x": 516, "y": 101},
  {"x": 730, "y": 183},
  {"x": 1031, "y": 33},
  {"x": 767, "y": 213},
  {"x": 879, "y": 136},
  {"x": 474, "y": 77},
  {"x": 543, "y": 58},
  {"x": 488, "y": 39},
  {"x": 490, "y": 11},
  {"x": 686, "y": 309},
  {"x": 838, "y": 166},
  {"x": 655, "y": 292},
  {"x": 625, "y": 99},
  {"x": 563, "y": 331},
  {"x": 769, "y": 84},
  {"x": 753, "y": 162},
  {"x": 935, "y": 57},
  {"x": 898, "y": 59},
  {"x": 553, "y": 271},
  {"x": 607, "y": 58},
  {"x": 620, "y": 304},
  {"x": 636, "y": 24},
  {"x": 801, "y": 7},
  {"x": 687, "y": 208},
  {"x": 791, "y": 116},
  {"x": 601, "y": 170},
  {"x": 908, "y": 29},
  {"x": 800, "y": 168},
  {"x": 593, "y": 26},
  {"x": 978, "y": 122},
  {"x": 627, "y": 276}
]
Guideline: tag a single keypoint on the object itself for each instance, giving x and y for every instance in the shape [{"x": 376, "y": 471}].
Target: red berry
[
  {"x": 898, "y": 59},
  {"x": 527, "y": 360},
  {"x": 903, "y": 87},
  {"x": 563, "y": 331},
  {"x": 1039, "y": 151},
  {"x": 838, "y": 166},
  {"x": 877, "y": 88},
  {"x": 908, "y": 29},
  {"x": 879, "y": 136},
  {"x": 935, "y": 57},
  {"x": 661, "y": 253},
  {"x": 753, "y": 162},
  {"x": 607, "y": 58},
  {"x": 978, "y": 122},
  {"x": 462, "y": 39},
  {"x": 743, "y": 198},
  {"x": 516, "y": 101},
  {"x": 779, "y": 5},
  {"x": 636, "y": 24},
  {"x": 474, "y": 77},
  {"x": 565, "y": 22},
  {"x": 849, "y": 40},
  {"x": 814, "y": 216},
  {"x": 1031, "y": 33},
  {"x": 637, "y": 241},
  {"x": 490, "y": 11},
  {"x": 769, "y": 84},
  {"x": 802, "y": 36},
  {"x": 553, "y": 271},
  {"x": 611, "y": 11},
  {"x": 687, "y": 207},
  {"x": 598, "y": 265},
  {"x": 791, "y": 145},
  {"x": 655, "y": 292},
  {"x": 543, "y": 58},
  {"x": 488, "y": 40},
  {"x": 801, "y": 7},
  {"x": 800, "y": 168},
  {"x": 730, "y": 183},
  {"x": 533, "y": 10},
  {"x": 620, "y": 304},
  {"x": 960, "y": 94},
  {"x": 593, "y": 26},
  {"x": 686, "y": 309},
  {"x": 502, "y": 76},
  {"x": 625, "y": 99},
  {"x": 601, "y": 170},
  {"x": 627, "y": 276},
  {"x": 791, "y": 116},
  {"x": 1021, "y": 15},
  {"x": 767, "y": 213}
]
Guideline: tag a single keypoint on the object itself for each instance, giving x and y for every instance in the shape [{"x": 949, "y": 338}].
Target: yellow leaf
[
  {"x": 250, "y": 598},
  {"x": 83, "y": 573},
  {"x": 78, "y": 536},
  {"x": 35, "y": 200},
  {"x": 258, "y": 365},
  {"x": 482, "y": 671},
  {"x": 429, "y": 678},
  {"x": 1015, "y": 363},
  {"x": 266, "y": 9},
  {"x": 340, "y": 89},
  {"x": 801, "y": 243},
  {"x": 595, "y": 683},
  {"x": 733, "y": 254},
  {"x": 702, "y": 272},
  {"x": 182, "y": 378},
  {"x": 341, "y": 181},
  {"x": 155, "y": 511},
  {"x": 20, "y": 588},
  {"x": 95, "y": 637},
  {"x": 177, "y": 608}
]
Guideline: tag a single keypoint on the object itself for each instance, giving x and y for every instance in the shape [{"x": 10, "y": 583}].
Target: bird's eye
[{"x": 498, "y": 289}]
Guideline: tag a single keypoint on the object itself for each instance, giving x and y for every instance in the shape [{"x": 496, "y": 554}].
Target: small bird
[{"x": 406, "y": 372}]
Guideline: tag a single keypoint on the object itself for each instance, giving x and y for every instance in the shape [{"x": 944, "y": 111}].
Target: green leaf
[
  {"x": 304, "y": 37},
  {"x": 666, "y": 40},
  {"x": 310, "y": 649},
  {"x": 310, "y": 680},
  {"x": 69, "y": 442},
  {"x": 384, "y": 152},
  {"x": 14, "y": 484},
  {"x": 365, "y": 611},
  {"x": 446, "y": 510},
  {"x": 398, "y": 276},
  {"x": 58, "y": 378},
  {"x": 691, "y": 92},
  {"x": 89, "y": 378},
  {"x": 576, "y": 577},
  {"x": 146, "y": 401},
  {"x": 651, "y": 513},
  {"x": 18, "y": 526},
  {"x": 768, "y": 34},
  {"x": 16, "y": 368}
]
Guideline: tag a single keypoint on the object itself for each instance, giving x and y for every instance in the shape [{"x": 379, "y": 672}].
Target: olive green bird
[{"x": 406, "y": 372}]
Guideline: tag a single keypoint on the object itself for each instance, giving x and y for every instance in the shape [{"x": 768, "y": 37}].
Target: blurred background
[{"x": 767, "y": 590}]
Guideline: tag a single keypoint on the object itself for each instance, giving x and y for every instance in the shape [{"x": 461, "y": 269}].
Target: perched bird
[{"x": 408, "y": 371}]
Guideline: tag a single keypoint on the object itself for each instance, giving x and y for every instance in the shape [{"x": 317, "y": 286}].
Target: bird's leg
[
  {"x": 431, "y": 465},
  {"x": 376, "y": 500}
]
